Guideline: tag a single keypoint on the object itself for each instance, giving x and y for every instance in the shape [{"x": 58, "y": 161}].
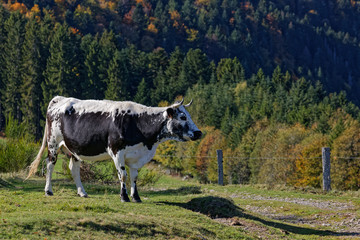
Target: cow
[{"x": 124, "y": 131}]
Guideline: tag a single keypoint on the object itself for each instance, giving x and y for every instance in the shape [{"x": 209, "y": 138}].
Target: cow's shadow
[{"x": 218, "y": 207}]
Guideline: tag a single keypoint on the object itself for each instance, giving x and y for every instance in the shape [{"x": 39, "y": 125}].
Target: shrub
[
  {"x": 18, "y": 150},
  {"x": 16, "y": 155}
]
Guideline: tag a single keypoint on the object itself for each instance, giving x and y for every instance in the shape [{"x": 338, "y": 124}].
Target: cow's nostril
[{"x": 197, "y": 135}]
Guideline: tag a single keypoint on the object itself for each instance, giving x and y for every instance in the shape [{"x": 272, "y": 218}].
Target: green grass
[{"x": 171, "y": 209}]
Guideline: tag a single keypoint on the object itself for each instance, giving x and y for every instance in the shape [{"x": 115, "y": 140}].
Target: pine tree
[
  {"x": 173, "y": 71},
  {"x": 140, "y": 18},
  {"x": 91, "y": 83},
  {"x": 3, "y": 16},
  {"x": 61, "y": 74},
  {"x": 226, "y": 122},
  {"x": 118, "y": 78},
  {"x": 161, "y": 88},
  {"x": 138, "y": 66},
  {"x": 107, "y": 45},
  {"x": 11, "y": 95},
  {"x": 142, "y": 94},
  {"x": 230, "y": 71},
  {"x": 189, "y": 13},
  {"x": 195, "y": 69},
  {"x": 31, "y": 94},
  {"x": 157, "y": 58}
]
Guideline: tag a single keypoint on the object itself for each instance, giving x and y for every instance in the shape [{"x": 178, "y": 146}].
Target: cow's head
[{"x": 179, "y": 124}]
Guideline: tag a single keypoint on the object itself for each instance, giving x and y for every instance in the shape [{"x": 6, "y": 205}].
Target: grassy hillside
[{"x": 174, "y": 209}]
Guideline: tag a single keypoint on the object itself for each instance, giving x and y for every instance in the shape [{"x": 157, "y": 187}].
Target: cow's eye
[{"x": 183, "y": 118}]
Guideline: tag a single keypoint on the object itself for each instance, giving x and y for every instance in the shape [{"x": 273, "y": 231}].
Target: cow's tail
[{"x": 34, "y": 165}]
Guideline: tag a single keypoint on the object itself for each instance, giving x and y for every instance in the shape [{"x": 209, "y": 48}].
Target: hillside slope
[{"x": 175, "y": 209}]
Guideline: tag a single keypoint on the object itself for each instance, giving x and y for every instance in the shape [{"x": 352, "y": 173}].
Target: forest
[{"x": 272, "y": 81}]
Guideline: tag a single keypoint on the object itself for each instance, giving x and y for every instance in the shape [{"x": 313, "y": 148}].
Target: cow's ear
[{"x": 170, "y": 113}]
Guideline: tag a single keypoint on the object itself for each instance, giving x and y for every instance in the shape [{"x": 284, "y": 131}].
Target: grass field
[{"x": 174, "y": 209}]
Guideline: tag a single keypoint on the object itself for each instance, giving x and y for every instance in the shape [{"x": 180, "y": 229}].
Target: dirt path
[
  {"x": 328, "y": 205},
  {"x": 339, "y": 217}
]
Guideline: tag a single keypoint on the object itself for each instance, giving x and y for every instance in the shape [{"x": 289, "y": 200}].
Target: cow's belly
[
  {"x": 138, "y": 155},
  {"x": 97, "y": 157},
  {"x": 100, "y": 157}
]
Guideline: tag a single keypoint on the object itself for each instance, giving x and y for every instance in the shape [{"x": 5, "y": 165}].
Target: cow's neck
[{"x": 153, "y": 127}]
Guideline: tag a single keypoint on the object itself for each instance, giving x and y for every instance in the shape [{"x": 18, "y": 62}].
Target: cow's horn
[
  {"x": 189, "y": 104},
  {"x": 178, "y": 104}
]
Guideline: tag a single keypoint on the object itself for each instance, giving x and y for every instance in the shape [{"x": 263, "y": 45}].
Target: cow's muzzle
[{"x": 197, "y": 135}]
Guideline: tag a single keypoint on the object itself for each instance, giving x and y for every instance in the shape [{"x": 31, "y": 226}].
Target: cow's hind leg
[
  {"x": 133, "y": 178},
  {"x": 50, "y": 164},
  {"x": 74, "y": 166}
]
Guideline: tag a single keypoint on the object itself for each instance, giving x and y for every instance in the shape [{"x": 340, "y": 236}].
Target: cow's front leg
[
  {"x": 119, "y": 161},
  {"x": 133, "y": 178},
  {"x": 74, "y": 166}
]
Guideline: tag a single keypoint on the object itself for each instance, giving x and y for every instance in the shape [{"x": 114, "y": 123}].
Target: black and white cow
[{"x": 126, "y": 132}]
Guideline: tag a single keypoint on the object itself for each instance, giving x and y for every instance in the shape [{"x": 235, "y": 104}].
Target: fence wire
[{"x": 255, "y": 158}]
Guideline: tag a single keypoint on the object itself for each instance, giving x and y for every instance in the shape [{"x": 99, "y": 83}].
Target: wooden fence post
[
  {"x": 219, "y": 155},
  {"x": 326, "y": 169}
]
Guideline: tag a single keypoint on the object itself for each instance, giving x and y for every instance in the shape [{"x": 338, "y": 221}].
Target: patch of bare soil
[
  {"x": 342, "y": 219},
  {"x": 328, "y": 205}
]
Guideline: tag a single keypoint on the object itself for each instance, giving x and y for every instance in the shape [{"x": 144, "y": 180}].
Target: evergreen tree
[
  {"x": 195, "y": 69},
  {"x": 161, "y": 89},
  {"x": 107, "y": 45},
  {"x": 142, "y": 94},
  {"x": 138, "y": 65},
  {"x": 189, "y": 13},
  {"x": 160, "y": 15},
  {"x": 226, "y": 122},
  {"x": 11, "y": 95},
  {"x": 172, "y": 73},
  {"x": 61, "y": 74},
  {"x": 91, "y": 84},
  {"x": 118, "y": 78},
  {"x": 230, "y": 71},
  {"x": 3, "y": 16},
  {"x": 157, "y": 58},
  {"x": 140, "y": 18},
  {"x": 31, "y": 94}
]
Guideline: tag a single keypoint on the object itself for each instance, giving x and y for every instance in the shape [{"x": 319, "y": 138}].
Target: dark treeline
[
  {"x": 318, "y": 40},
  {"x": 270, "y": 123}
]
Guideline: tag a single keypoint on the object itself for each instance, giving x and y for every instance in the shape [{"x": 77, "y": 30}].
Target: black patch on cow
[
  {"x": 70, "y": 110},
  {"x": 86, "y": 134},
  {"x": 136, "y": 197},
  {"x": 137, "y": 128}
]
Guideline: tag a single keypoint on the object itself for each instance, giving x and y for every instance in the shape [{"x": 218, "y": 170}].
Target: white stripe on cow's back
[{"x": 60, "y": 104}]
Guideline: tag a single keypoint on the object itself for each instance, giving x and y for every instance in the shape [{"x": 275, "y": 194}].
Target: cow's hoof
[
  {"x": 83, "y": 195},
  {"x": 136, "y": 200},
  {"x": 49, "y": 193},
  {"x": 125, "y": 198}
]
